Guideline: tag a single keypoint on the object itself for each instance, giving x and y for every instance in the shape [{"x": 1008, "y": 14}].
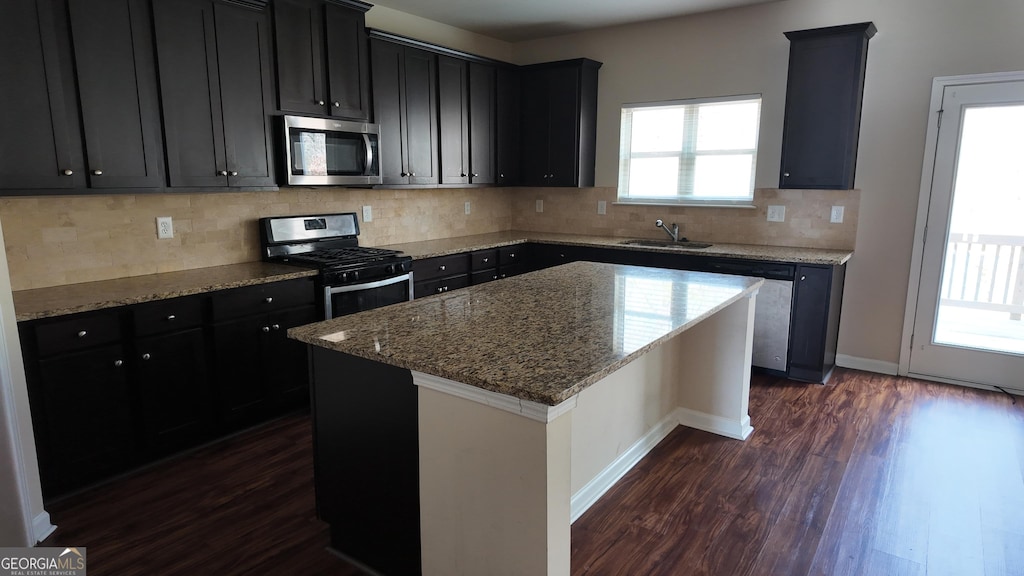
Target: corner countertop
[
  {"x": 443, "y": 247},
  {"x": 542, "y": 336},
  {"x": 87, "y": 296}
]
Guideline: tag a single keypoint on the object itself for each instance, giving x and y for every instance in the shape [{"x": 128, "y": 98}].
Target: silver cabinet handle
[
  {"x": 171, "y": 318},
  {"x": 223, "y": 173},
  {"x": 462, "y": 175},
  {"x": 512, "y": 255},
  {"x": 276, "y": 326},
  {"x": 802, "y": 278},
  {"x": 337, "y": 104},
  {"x": 320, "y": 102},
  {"x": 440, "y": 289},
  {"x": 82, "y": 333},
  {"x": 118, "y": 363},
  {"x": 268, "y": 299},
  {"x": 146, "y": 356},
  {"x": 266, "y": 328},
  {"x": 234, "y": 173},
  {"x": 786, "y": 174},
  {"x": 475, "y": 175},
  {"x": 501, "y": 175},
  {"x": 413, "y": 174},
  {"x": 442, "y": 267},
  {"x": 486, "y": 260},
  {"x": 68, "y": 172},
  {"x": 98, "y": 172}
]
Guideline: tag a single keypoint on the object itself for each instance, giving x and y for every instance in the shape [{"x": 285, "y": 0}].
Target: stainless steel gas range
[{"x": 352, "y": 278}]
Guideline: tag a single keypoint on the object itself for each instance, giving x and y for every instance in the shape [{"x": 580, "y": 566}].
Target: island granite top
[
  {"x": 446, "y": 246},
  {"x": 87, "y": 296},
  {"x": 542, "y": 336}
]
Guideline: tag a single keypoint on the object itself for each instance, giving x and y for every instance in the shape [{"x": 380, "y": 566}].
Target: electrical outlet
[
  {"x": 837, "y": 215},
  {"x": 164, "y": 227},
  {"x": 602, "y": 207},
  {"x": 540, "y": 205},
  {"x": 776, "y": 213},
  {"x": 367, "y": 213},
  {"x": 467, "y": 207}
]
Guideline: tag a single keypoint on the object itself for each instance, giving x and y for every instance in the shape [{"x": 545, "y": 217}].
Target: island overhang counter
[{"x": 463, "y": 433}]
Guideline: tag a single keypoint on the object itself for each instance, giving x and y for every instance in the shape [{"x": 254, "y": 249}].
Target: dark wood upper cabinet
[
  {"x": 216, "y": 87},
  {"x": 39, "y": 140},
  {"x": 823, "y": 106},
  {"x": 453, "y": 119},
  {"x": 322, "y": 61},
  {"x": 405, "y": 108},
  {"x": 507, "y": 131},
  {"x": 559, "y": 118},
  {"x": 482, "y": 118},
  {"x": 113, "y": 47}
]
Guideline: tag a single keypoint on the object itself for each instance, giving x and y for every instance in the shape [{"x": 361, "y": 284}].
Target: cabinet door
[
  {"x": 453, "y": 101},
  {"x": 482, "y": 118},
  {"x": 38, "y": 135},
  {"x": 172, "y": 383},
  {"x": 239, "y": 377},
  {"x": 190, "y": 86},
  {"x": 563, "y": 89},
  {"x": 348, "y": 66},
  {"x": 299, "y": 46},
  {"x": 419, "y": 127},
  {"x": 287, "y": 365},
  {"x": 534, "y": 143},
  {"x": 809, "y": 323},
  {"x": 85, "y": 421},
  {"x": 507, "y": 127},
  {"x": 243, "y": 48},
  {"x": 117, "y": 89},
  {"x": 388, "y": 65}
]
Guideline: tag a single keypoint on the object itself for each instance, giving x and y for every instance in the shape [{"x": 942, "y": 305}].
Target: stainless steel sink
[{"x": 667, "y": 244}]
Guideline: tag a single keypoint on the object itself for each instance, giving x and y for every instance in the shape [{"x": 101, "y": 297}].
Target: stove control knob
[
  {"x": 355, "y": 275},
  {"x": 390, "y": 268},
  {"x": 344, "y": 276}
]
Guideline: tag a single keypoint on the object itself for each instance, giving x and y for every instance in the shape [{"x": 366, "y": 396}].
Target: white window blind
[{"x": 689, "y": 151}]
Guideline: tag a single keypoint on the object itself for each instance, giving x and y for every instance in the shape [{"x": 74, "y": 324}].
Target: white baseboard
[
  {"x": 41, "y": 527},
  {"x": 714, "y": 424},
  {"x": 867, "y": 364},
  {"x": 583, "y": 499}
]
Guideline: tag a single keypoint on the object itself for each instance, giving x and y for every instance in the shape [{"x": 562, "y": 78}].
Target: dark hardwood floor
[{"x": 869, "y": 475}]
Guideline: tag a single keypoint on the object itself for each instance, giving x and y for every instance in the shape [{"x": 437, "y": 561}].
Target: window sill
[{"x": 744, "y": 205}]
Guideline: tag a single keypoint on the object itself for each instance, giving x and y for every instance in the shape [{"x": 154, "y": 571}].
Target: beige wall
[
  {"x": 744, "y": 51},
  {"x": 65, "y": 240},
  {"x": 388, "y": 20}
]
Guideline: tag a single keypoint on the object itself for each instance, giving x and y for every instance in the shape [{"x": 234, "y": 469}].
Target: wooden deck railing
[{"x": 986, "y": 272}]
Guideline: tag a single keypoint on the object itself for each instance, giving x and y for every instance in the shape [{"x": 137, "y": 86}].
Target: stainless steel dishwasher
[{"x": 773, "y": 309}]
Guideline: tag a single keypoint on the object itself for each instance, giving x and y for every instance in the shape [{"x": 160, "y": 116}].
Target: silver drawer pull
[
  {"x": 442, "y": 267},
  {"x": 486, "y": 260},
  {"x": 146, "y": 356},
  {"x": 276, "y": 326},
  {"x": 269, "y": 299},
  {"x": 440, "y": 289},
  {"x": 222, "y": 173},
  {"x": 266, "y": 328},
  {"x": 68, "y": 172},
  {"x": 803, "y": 278},
  {"x": 118, "y": 363},
  {"x": 82, "y": 333},
  {"x": 98, "y": 172},
  {"x": 320, "y": 102},
  {"x": 171, "y": 318},
  {"x": 512, "y": 255},
  {"x": 337, "y": 104}
]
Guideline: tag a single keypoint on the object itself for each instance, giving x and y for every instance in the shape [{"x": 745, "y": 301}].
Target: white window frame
[{"x": 687, "y": 157}]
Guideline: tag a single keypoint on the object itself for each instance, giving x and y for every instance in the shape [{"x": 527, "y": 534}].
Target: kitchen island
[{"x": 463, "y": 433}]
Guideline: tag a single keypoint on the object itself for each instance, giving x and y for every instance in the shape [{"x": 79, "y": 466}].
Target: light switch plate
[
  {"x": 602, "y": 207},
  {"x": 776, "y": 213},
  {"x": 837, "y": 215},
  {"x": 467, "y": 207},
  {"x": 540, "y": 205},
  {"x": 367, "y": 213},
  {"x": 164, "y": 227}
]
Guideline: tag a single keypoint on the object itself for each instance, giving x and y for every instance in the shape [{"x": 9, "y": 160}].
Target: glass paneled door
[{"x": 969, "y": 325}]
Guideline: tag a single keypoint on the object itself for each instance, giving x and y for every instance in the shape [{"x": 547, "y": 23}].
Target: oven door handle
[
  {"x": 331, "y": 290},
  {"x": 367, "y": 171}
]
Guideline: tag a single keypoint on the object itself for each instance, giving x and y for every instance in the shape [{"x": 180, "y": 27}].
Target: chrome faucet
[{"x": 674, "y": 232}]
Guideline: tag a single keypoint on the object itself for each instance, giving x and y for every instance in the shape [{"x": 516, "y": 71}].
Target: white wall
[
  {"x": 744, "y": 51},
  {"x": 389, "y": 20}
]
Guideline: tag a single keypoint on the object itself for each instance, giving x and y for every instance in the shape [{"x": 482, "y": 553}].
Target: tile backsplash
[{"x": 59, "y": 240}]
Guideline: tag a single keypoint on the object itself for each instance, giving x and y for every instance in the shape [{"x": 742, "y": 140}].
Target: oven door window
[
  {"x": 344, "y": 303},
  {"x": 326, "y": 153}
]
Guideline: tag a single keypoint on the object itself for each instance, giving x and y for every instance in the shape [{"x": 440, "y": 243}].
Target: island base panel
[{"x": 366, "y": 460}]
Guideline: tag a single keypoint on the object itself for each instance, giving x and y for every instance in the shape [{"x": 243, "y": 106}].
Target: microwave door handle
[{"x": 369, "y": 155}]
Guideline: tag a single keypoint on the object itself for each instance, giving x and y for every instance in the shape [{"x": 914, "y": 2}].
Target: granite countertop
[
  {"x": 542, "y": 336},
  {"x": 431, "y": 248},
  {"x": 84, "y": 297}
]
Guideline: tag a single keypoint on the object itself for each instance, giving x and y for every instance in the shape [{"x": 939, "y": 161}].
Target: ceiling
[{"x": 516, "y": 20}]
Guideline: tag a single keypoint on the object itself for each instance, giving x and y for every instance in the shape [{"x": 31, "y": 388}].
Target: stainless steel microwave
[{"x": 326, "y": 152}]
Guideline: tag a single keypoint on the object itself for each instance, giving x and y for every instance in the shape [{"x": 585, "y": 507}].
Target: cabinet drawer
[
  {"x": 441, "y": 285},
  {"x": 512, "y": 255},
  {"x": 262, "y": 298},
  {"x": 772, "y": 270},
  {"x": 167, "y": 315},
  {"x": 507, "y": 271},
  {"x": 77, "y": 333},
  {"x": 440, "y": 267},
  {"x": 483, "y": 260},
  {"x": 482, "y": 277}
]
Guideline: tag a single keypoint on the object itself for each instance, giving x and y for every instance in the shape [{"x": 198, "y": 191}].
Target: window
[{"x": 689, "y": 151}]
